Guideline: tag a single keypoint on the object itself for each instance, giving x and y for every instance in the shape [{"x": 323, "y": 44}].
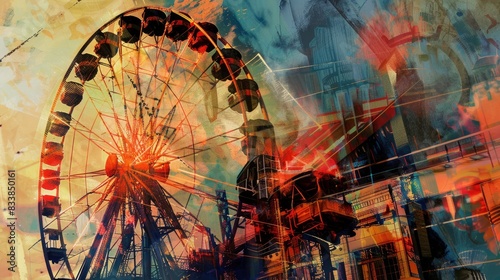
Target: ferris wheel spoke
[
  {"x": 106, "y": 227},
  {"x": 187, "y": 75},
  {"x": 73, "y": 254},
  {"x": 172, "y": 183},
  {"x": 176, "y": 183},
  {"x": 163, "y": 124},
  {"x": 153, "y": 124},
  {"x": 83, "y": 175},
  {"x": 89, "y": 131},
  {"x": 164, "y": 133},
  {"x": 104, "y": 250},
  {"x": 91, "y": 136},
  {"x": 198, "y": 78},
  {"x": 152, "y": 238},
  {"x": 185, "y": 119},
  {"x": 160, "y": 101},
  {"x": 159, "y": 198},
  {"x": 124, "y": 247},
  {"x": 186, "y": 87},
  {"x": 154, "y": 64},
  {"x": 146, "y": 92},
  {"x": 138, "y": 125},
  {"x": 188, "y": 108},
  {"x": 170, "y": 138},
  {"x": 134, "y": 106},
  {"x": 120, "y": 132},
  {"x": 123, "y": 94},
  {"x": 125, "y": 77},
  {"x": 198, "y": 147},
  {"x": 71, "y": 213},
  {"x": 76, "y": 250}
]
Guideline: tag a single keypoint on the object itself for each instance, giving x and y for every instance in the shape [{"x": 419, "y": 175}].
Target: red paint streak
[
  {"x": 309, "y": 150},
  {"x": 384, "y": 37}
]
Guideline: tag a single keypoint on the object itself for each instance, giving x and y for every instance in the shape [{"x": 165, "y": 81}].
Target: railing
[{"x": 441, "y": 153}]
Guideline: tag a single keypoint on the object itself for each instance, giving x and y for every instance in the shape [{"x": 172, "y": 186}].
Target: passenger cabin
[
  {"x": 107, "y": 44},
  {"x": 53, "y": 153},
  {"x": 259, "y": 138},
  {"x": 309, "y": 186},
  {"x": 314, "y": 202},
  {"x": 245, "y": 91},
  {"x": 59, "y": 124},
  {"x": 227, "y": 62},
  {"x": 131, "y": 29},
  {"x": 55, "y": 253},
  {"x": 87, "y": 66},
  {"x": 198, "y": 41},
  {"x": 50, "y": 206},
  {"x": 50, "y": 179},
  {"x": 72, "y": 94},
  {"x": 154, "y": 22},
  {"x": 177, "y": 26}
]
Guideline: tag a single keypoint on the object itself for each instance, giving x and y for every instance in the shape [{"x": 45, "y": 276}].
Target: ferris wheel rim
[{"x": 53, "y": 109}]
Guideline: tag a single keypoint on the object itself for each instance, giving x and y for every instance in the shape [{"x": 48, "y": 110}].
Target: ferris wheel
[{"x": 151, "y": 108}]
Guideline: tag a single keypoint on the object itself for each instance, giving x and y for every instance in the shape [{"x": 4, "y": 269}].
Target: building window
[{"x": 378, "y": 263}]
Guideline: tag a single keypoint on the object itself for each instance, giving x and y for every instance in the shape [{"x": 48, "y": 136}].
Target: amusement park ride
[{"x": 135, "y": 135}]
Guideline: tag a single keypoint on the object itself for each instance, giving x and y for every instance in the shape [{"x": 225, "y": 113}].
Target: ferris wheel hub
[
  {"x": 114, "y": 165},
  {"x": 111, "y": 165}
]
